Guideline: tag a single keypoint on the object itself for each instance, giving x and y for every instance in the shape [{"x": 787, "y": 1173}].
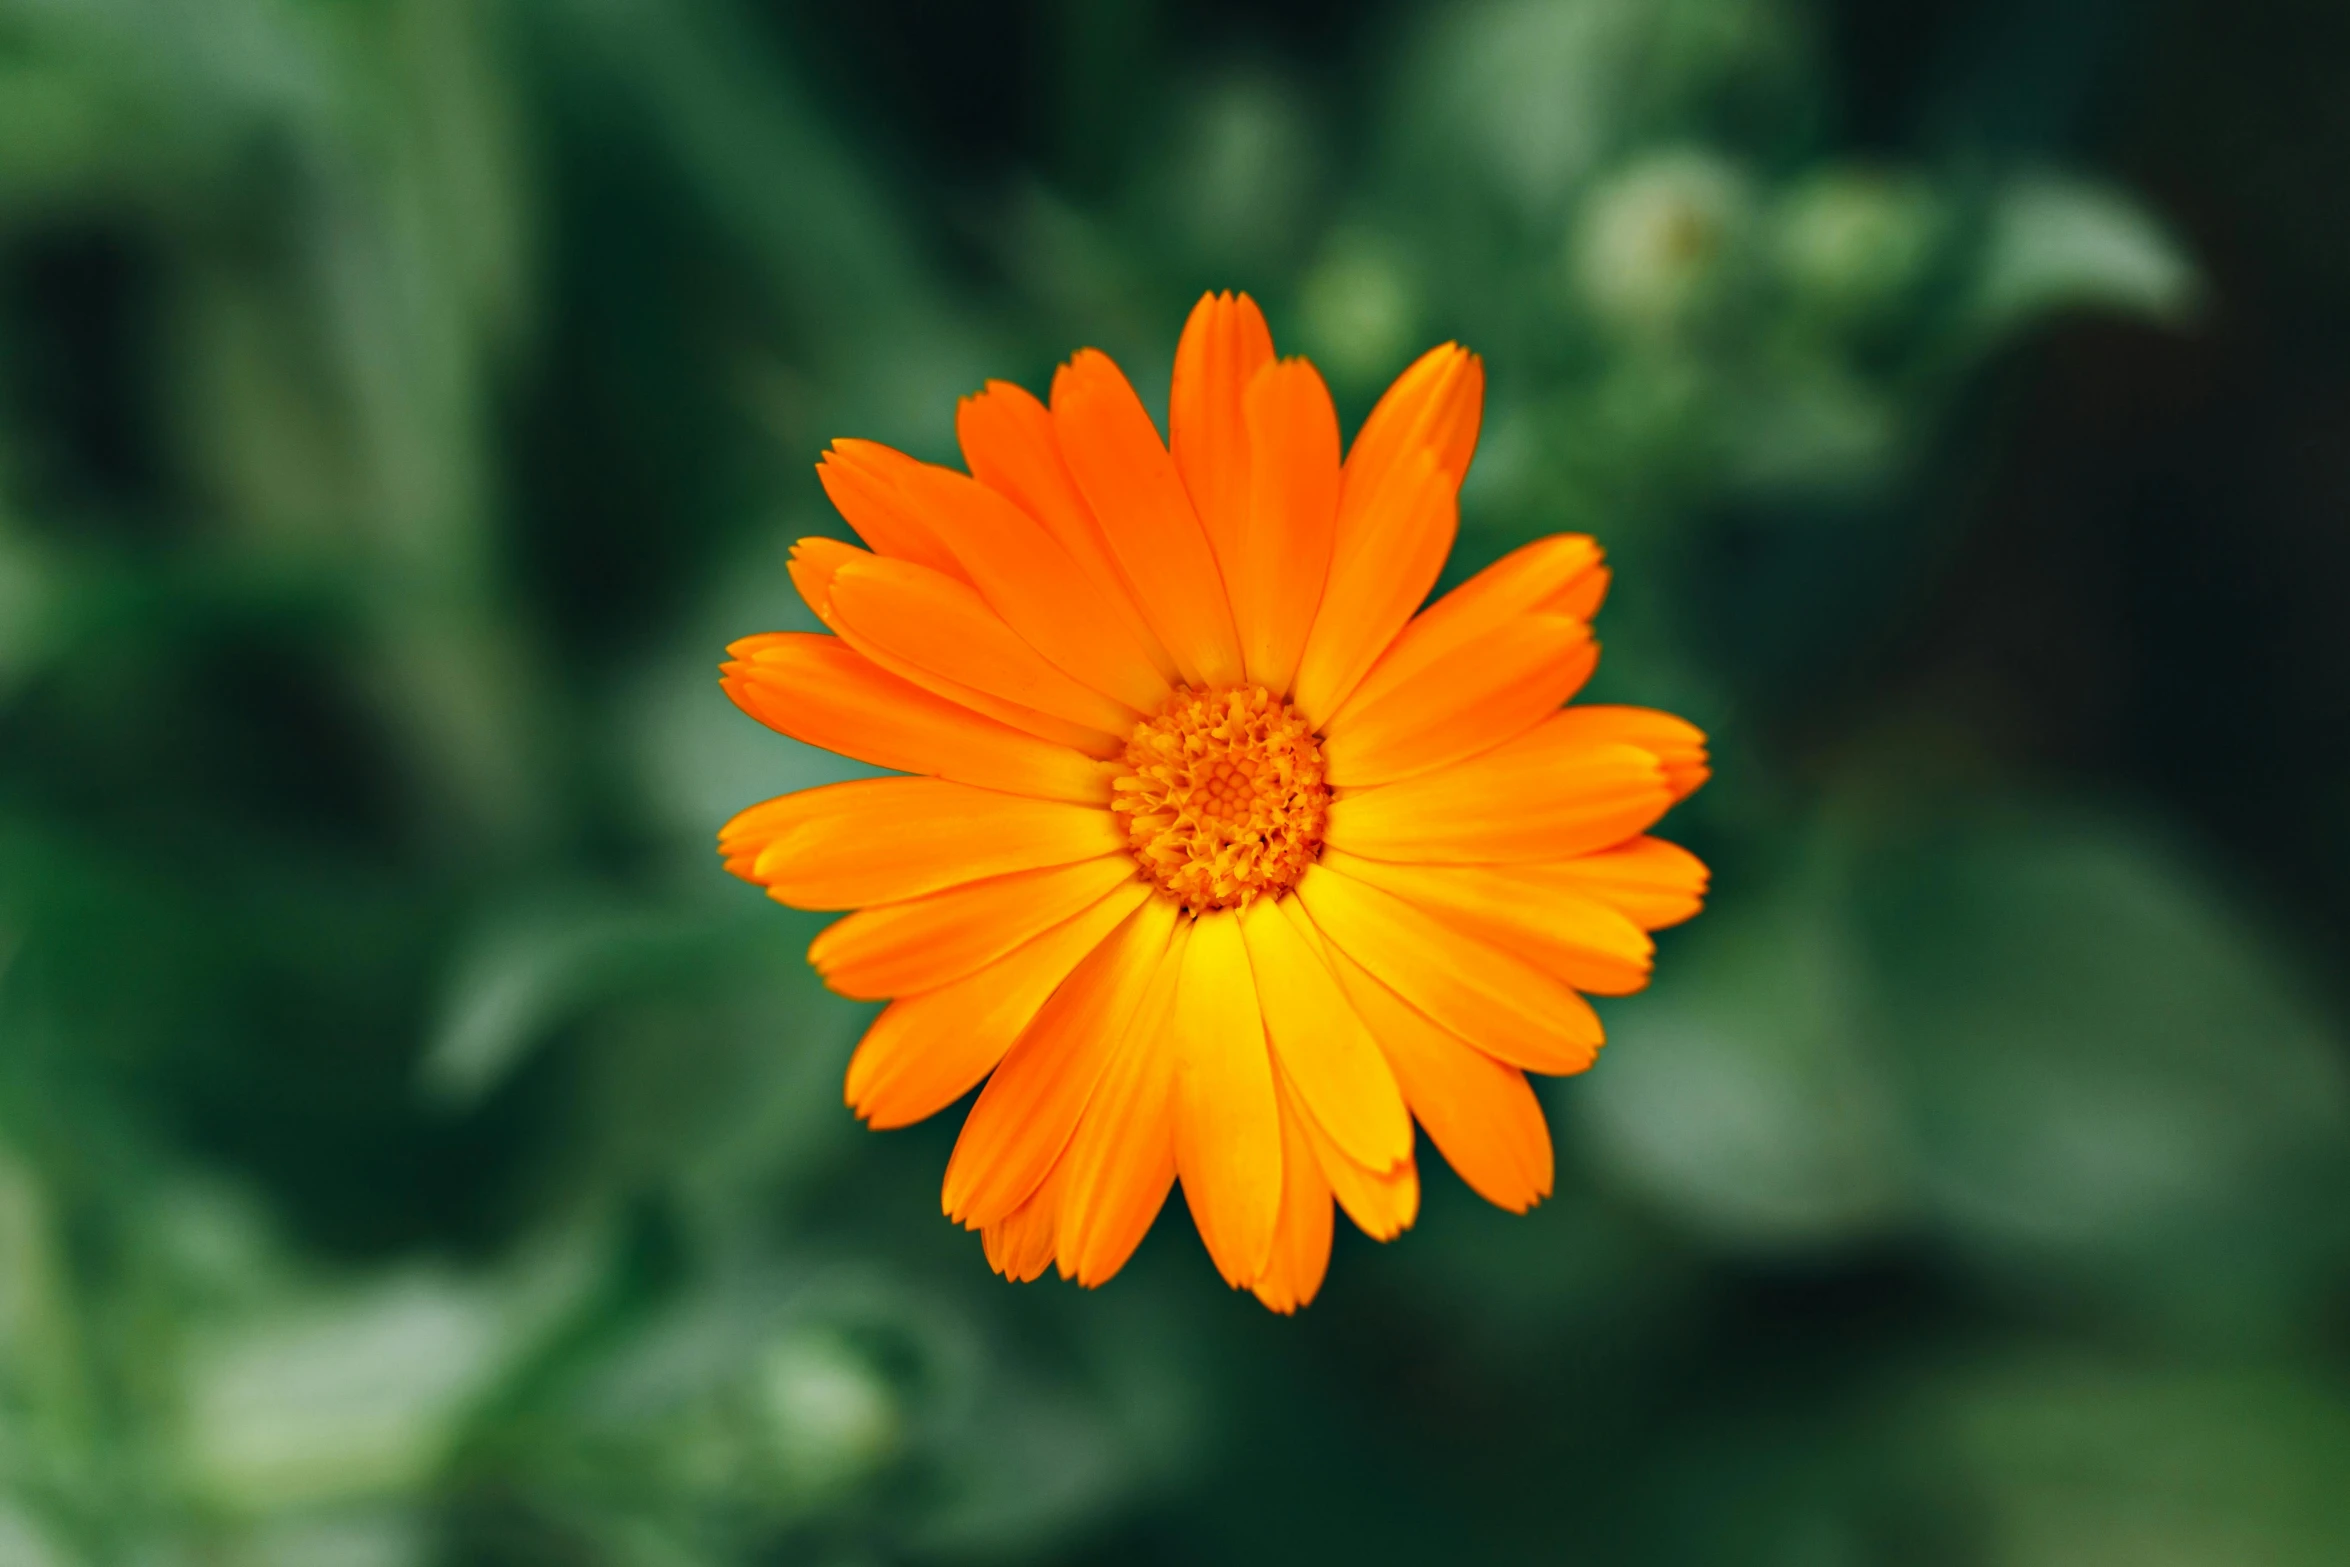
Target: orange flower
[{"x": 1219, "y": 863}]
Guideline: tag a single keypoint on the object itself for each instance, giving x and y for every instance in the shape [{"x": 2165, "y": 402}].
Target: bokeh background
[{"x": 414, "y": 1152}]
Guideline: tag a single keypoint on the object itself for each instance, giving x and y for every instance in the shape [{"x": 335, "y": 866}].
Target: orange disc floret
[{"x": 1222, "y": 798}]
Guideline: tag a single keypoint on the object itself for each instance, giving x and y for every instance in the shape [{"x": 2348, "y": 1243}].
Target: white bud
[
  {"x": 830, "y": 1415},
  {"x": 1660, "y": 242},
  {"x": 1854, "y": 241}
]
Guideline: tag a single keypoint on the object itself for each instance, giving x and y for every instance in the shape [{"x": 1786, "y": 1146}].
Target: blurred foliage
[{"x": 413, "y": 1151}]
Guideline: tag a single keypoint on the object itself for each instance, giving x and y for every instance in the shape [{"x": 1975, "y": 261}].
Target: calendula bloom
[{"x": 1218, "y": 863}]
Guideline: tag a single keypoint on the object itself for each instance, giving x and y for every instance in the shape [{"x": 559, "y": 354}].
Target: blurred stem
[{"x": 844, "y": 269}]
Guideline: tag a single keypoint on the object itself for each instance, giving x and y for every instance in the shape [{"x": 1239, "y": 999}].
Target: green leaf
[
  {"x": 2075, "y": 1464},
  {"x": 1746, "y": 1093},
  {"x": 351, "y": 1397},
  {"x": 536, "y": 963},
  {"x": 2058, "y": 242},
  {"x": 2109, "y": 1070}
]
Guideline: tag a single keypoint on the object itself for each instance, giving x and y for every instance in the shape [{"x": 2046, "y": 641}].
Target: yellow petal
[
  {"x": 1030, "y": 1109},
  {"x": 1323, "y": 1047},
  {"x": 819, "y": 690},
  {"x": 896, "y": 949},
  {"x": 1227, "y": 1127},
  {"x": 1501, "y": 1004},
  {"x": 884, "y": 840},
  {"x": 1482, "y": 1115},
  {"x": 924, "y": 1052},
  {"x": 1224, "y": 345},
  {"x": 1126, "y": 476},
  {"x": 1489, "y": 691},
  {"x": 1382, "y": 1203},
  {"x": 1291, "y": 520},
  {"x": 1300, "y": 1257},
  {"x": 1121, "y": 1163}
]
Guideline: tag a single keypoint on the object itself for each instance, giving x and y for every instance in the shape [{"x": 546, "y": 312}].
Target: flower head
[{"x": 1221, "y": 860}]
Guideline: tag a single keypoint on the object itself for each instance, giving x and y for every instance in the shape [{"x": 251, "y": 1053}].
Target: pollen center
[{"x": 1222, "y": 797}]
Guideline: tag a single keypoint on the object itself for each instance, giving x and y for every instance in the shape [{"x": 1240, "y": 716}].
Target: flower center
[{"x": 1223, "y": 797}]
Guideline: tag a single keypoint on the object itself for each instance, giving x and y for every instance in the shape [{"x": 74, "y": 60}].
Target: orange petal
[
  {"x": 1676, "y": 742},
  {"x": 1030, "y": 1108},
  {"x": 1121, "y": 1162},
  {"x": 1131, "y": 483},
  {"x": 1378, "y": 576},
  {"x": 760, "y": 641},
  {"x": 1020, "y": 1244},
  {"x": 1224, "y": 345},
  {"x": 871, "y": 505},
  {"x": 1501, "y": 1004},
  {"x": 813, "y": 562},
  {"x": 820, "y": 690},
  {"x": 1489, "y": 690},
  {"x": 1227, "y": 1126},
  {"x": 1569, "y": 935},
  {"x": 924, "y": 1052},
  {"x": 817, "y": 562},
  {"x": 1025, "y": 576},
  {"x": 1535, "y": 798},
  {"x": 1560, "y": 575},
  {"x": 1326, "y": 1052},
  {"x": 1397, "y": 513},
  {"x": 1010, "y": 446},
  {"x": 884, "y": 840},
  {"x": 1434, "y": 406},
  {"x": 1291, "y": 521},
  {"x": 1482, "y": 1115},
  {"x": 1301, "y": 1238},
  {"x": 1654, "y": 883},
  {"x": 933, "y": 622},
  {"x": 754, "y": 831},
  {"x": 896, "y": 949}
]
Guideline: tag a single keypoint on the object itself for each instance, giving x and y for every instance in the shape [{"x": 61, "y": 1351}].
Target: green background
[{"x": 415, "y": 1152}]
